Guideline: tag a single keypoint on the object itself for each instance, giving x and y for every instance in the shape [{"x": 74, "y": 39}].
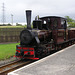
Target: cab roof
[{"x": 53, "y": 17}]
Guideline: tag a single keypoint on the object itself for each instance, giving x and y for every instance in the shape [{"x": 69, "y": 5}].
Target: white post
[{"x": 11, "y": 19}]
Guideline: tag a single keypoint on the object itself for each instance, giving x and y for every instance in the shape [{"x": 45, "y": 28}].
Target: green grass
[
  {"x": 25, "y": 26},
  {"x": 7, "y": 50},
  {"x": 12, "y": 26}
]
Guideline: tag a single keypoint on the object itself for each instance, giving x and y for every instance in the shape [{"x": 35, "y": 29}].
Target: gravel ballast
[{"x": 6, "y": 61}]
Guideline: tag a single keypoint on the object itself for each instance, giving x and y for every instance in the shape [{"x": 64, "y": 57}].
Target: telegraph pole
[
  {"x": 12, "y": 19},
  {"x": 3, "y": 13}
]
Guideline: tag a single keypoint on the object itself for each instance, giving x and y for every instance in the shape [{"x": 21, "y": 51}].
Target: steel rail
[{"x": 12, "y": 66}]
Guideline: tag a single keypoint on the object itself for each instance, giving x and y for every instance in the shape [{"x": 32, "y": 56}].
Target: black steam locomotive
[{"x": 48, "y": 33}]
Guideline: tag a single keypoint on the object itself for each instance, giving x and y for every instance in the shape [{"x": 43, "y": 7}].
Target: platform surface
[{"x": 60, "y": 63}]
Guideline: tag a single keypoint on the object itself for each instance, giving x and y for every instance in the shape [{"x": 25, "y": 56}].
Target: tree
[
  {"x": 18, "y": 24},
  {"x": 9, "y": 24},
  {"x": 69, "y": 19},
  {"x": 71, "y": 22}
]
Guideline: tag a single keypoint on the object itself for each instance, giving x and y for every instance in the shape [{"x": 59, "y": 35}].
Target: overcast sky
[{"x": 38, "y": 7}]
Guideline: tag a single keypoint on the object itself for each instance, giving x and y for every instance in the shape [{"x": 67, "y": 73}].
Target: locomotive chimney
[{"x": 28, "y": 17}]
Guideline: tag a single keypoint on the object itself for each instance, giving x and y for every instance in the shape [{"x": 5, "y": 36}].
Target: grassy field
[
  {"x": 7, "y": 50},
  {"x": 12, "y": 26},
  {"x": 15, "y": 26}
]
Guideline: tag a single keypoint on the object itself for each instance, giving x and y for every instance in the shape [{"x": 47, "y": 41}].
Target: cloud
[{"x": 38, "y": 7}]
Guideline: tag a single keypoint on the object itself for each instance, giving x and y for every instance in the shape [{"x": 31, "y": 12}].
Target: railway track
[
  {"x": 15, "y": 65},
  {"x": 12, "y": 66}
]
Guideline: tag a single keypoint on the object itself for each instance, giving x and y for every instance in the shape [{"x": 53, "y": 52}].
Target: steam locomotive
[{"x": 48, "y": 34}]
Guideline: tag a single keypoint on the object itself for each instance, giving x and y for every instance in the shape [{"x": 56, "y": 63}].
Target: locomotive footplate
[{"x": 33, "y": 58}]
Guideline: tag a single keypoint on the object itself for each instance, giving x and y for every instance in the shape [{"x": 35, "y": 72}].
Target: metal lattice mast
[{"x": 3, "y": 13}]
